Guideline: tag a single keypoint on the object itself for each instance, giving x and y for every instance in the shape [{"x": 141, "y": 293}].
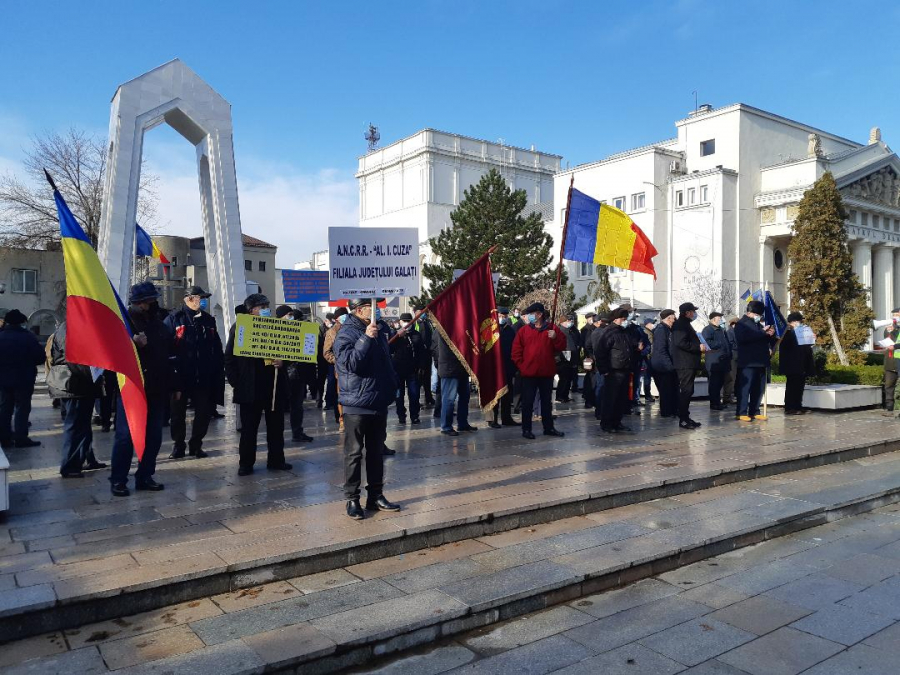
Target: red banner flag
[{"x": 465, "y": 315}]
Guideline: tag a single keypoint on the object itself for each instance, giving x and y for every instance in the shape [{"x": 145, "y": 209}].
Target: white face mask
[{"x": 404, "y": 324}]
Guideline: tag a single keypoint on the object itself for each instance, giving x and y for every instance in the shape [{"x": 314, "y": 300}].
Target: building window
[
  {"x": 174, "y": 261},
  {"x": 852, "y": 217},
  {"x": 704, "y": 194},
  {"x": 865, "y": 219},
  {"x": 779, "y": 259},
  {"x": 248, "y": 265},
  {"x": 897, "y": 226},
  {"x": 585, "y": 269},
  {"x": 679, "y": 198},
  {"x": 876, "y": 221},
  {"x": 638, "y": 201},
  {"x": 24, "y": 281},
  {"x": 262, "y": 265},
  {"x": 692, "y": 196},
  {"x": 708, "y": 147},
  {"x": 619, "y": 203}
]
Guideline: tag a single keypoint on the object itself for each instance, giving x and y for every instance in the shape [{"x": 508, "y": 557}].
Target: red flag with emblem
[{"x": 465, "y": 314}]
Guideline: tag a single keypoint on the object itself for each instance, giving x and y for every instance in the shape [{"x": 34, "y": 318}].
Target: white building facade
[{"x": 718, "y": 202}]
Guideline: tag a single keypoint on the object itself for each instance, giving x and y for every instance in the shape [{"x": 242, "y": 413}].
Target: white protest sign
[{"x": 365, "y": 262}]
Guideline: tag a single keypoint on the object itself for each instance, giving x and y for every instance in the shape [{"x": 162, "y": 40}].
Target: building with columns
[{"x": 718, "y": 201}]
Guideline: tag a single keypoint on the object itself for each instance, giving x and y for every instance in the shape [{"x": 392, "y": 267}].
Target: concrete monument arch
[{"x": 174, "y": 94}]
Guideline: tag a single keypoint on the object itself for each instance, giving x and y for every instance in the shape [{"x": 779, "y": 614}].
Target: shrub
[
  {"x": 875, "y": 358},
  {"x": 870, "y": 375},
  {"x": 854, "y": 356}
]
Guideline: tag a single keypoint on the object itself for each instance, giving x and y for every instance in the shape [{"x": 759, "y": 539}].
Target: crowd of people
[{"x": 365, "y": 364}]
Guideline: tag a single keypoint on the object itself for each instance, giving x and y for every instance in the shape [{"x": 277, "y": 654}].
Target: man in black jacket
[
  {"x": 601, "y": 321},
  {"x": 796, "y": 363},
  {"x": 299, "y": 376},
  {"x": 754, "y": 355},
  {"x": 199, "y": 362},
  {"x": 614, "y": 353},
  {"x": 503, "y": 411},
  {"x": 20, "y": 355},
  {"x": 254, "y": 382},
  {"x": 423, "y": 325},
  {"x": 155, "y": 343},
  {"x": 718, "y": 358},
  {"x": 454, "y": 384},
  {"x": 368, "y": 385},
  {"x": 587, "y": 387},
  {"x": 407, "y": 353},
  {"x": 568, "y": 359},
  {"x": 686, "y": 351},
  {"x": 663, "y": 365}
]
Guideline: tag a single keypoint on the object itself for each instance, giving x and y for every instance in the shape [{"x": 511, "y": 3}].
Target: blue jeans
[
  {"x": 408, "y": 385},
  {"x": 77, "y": 433},
  {"x": 123, "y": 448},
  {"x": 15, "y": 407},
  {"x": 451, "y": 388},
  {"x": 750, "y": 391}
]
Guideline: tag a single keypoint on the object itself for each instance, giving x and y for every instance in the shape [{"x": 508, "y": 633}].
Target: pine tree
[
  {"x": 822, "y": 281},
  {"x": 491, "y": 213},
  {"x": 599, "y": 290}
]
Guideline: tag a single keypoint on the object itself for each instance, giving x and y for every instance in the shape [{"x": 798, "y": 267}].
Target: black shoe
[
  {"x": 177, "y": 453},
  {"x": 150, "y": 485},
  {"x": 415, "y": 420},
  {"x": 120, "y": 490},
  {"x": 402, "y": 421},
  {"x": 554, "y": 432},
  {"x": 686, "y": 424},
  {"x": 245, "y": 470},
  {"x": 468, "y": 427},
  {"x": 528, "y": 435},
  {"x": 197, "y": 454},
  {"x": 388, "y": 451},
  {"x": 105, "y": 429},
  {"x": 302, "y": 438},
  {"x": 72, "y": 474},
  {"x": 96, "y": 420},
  {"x": 608, "y": 430},
  {"x": 216, "y": 415},
  {"x": 284, "y": 466},
  {"x": 319, "y": 403},
  {"x": 510, "y": 423},
  {"x": 27, "y": 443},
  {"x": 622, "y": 429},
  {"x": 381, "y": 504},
  {"x": 450, "y": 432},
  {"x": 563, "y": 400},
  {"x": 696, "y": 425},
  {"x": 93, "y": 466},
  {"x": 354, "y": 510},
  {"x": 716, "y": 407},
  {"x": 494, "y": 425}
]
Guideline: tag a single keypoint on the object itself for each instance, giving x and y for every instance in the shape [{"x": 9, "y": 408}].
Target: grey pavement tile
[
  {"x": 713, "y": 667},
  {"x": 858, "y": 660},
  {"x": 633, "y": 595},
  {"x": 703, "y": 572},
  {"x": 827, "y": 554},
  {"x": 537, "y": 658},
  {"x": 510, "y": 584},
  {"x": 432, "y": 576},
  {"x": 882, "y": 598},
  {"x": 632, "y": 659},
  {"x": 521, "y": 631},
  {"x": 313, "y": 583},
  {"x": 228, "y": 658},
  {"x": 865, "y": 569},
  {"x": 633, "y": 624},
  {"x": 696, "y": 641},
  {"x": 434, "y": 662},
  {"x": 784, "y": 652},
  {"x": 815, "y": 591},
  {"x": 842, "y": 624},
  {"x": 290, "y": 645},
  {"x": 217, "y": 629},
  {"x": 766, "y": 577},
  {"x": 760, "y": 614},
  {"x": 713, "y": 595},
  {"x": 17, "y": 600},
  {"x": 887, "y": 640},
  {"x": 85, "y": 661}
]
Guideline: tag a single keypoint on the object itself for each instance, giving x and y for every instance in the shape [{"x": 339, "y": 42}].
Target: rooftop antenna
[
  {"x": 696, "y": 107},
  {"x": 372, "y": 136}
]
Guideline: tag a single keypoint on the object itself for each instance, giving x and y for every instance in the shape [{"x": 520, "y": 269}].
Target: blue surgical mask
[
  {"x": 531, "y": 318},
  {"x": 378, "y": 313},
  {"x": 265, "y": 312},
  {"x": 757, "y": 318},
  {"x": 342, "y": 318},
  {"x": 503, "y": 320},
  {"x": 204, "y": 304}
]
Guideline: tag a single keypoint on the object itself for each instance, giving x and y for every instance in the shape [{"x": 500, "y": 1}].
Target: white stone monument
[{"x": 174, "y": 94}]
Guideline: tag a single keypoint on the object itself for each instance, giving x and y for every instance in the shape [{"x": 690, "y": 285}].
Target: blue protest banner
[{"x": 304, "y": 286}]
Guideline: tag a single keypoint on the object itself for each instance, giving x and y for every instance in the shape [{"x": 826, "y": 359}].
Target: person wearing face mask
[
  {"x": 253, "y": 381},
  {"x": 587, "y": 386},
  {"x": 614, "y": 357},
  {"x": 368, "y": 385},
  {"x": 686, "y": 352},
  {"x": 567, "y": 360},
  {"x": 601, "y": 321},
  {"x": 534, "y": 352},
  {"x": 298, "y": 377},
  {"x": 663, "y": 365},
  {"x": 423, "y": 325},
  {"x": 199, "y": 362},
  {"x": 155, "y": 346},
  {"x": 407, "y": 352},
  {"x": 340, "y": 316},
  {"x": 503, "y": 411},
  {"x": 731, "y": 375},
  {"x": 754, "y": 355},
  {"x": 718, "y": 358},
  {"x": 20, "y": 355},
  {"x": 796, "y": 363}
]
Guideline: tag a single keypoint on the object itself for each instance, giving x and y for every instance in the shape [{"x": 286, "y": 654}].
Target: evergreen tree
[
  {"x": 491, "y": 213},
  {"x": 599, "y": 290},
  {"x": 822, "y": 282}
]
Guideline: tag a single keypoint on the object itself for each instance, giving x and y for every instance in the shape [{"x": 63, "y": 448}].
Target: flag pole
[{"x": 562, "y": 250}]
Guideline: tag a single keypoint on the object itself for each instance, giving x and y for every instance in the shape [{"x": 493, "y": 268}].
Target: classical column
[
  {"x": 883, "y": 282},
  {"x": 862, "y": 263},
  {"x": 766, "y": 261}
]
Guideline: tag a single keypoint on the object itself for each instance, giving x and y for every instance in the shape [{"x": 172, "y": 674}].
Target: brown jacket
[{"x": 328, "y": 347}]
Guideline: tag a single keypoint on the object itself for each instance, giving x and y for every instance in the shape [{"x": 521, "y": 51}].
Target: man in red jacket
[{"x": 534, "y": 353}]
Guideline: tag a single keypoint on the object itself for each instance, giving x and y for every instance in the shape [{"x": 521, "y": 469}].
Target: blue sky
[{"x": 579, "y": 79}]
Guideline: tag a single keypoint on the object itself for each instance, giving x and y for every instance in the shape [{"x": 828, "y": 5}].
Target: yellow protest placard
[{"x": 266, "y": 337}]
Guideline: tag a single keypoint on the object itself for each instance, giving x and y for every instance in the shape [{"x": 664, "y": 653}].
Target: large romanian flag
[
  {"x": 600, "y": 234},
  {"x": 98, "y": 334},
  {"x": 144, "y": 245}
]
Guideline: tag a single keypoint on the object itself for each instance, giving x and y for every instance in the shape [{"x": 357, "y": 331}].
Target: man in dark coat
[
  {"x": 686, "y": 351},
  {"x": 199, "y": 362},
  {"x": 718, "y": 358},
  {"x": 614, "y": 355},
  {"x": 299, "y": 376},
  {"x": 731, "y": 376},
  {"x": 601, "y": 321},
  {"x": 20, "y": 355},
  {"x": 796, "y": 363},
  {"x": 754, "y": 355},
  {"x": 454, "y": 384},
  {"x": 568, "y": 359},
  {"x": 663, "y": 365},
  {"x": 892, "y": 333},
  {"x": 407, "y": 352},
  {"x": 503, "y": 410},
  {"x": 155, "y": 344},
  {"x": 423, "y": 325},
  {"x": 368, "y": 385},
  {"x": 254, "y": 383},
  {"x": 587, "y": 387}
]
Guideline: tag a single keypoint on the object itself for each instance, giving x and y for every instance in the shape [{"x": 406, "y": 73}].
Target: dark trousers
[
  {"x": 587, "y": 389},
  {"x": 750, "y": 390},
  {"x": 636, "y": 385},
  {"x": 364, "y": 431},
  {"x": 330, "y": 387},
  {"x": 532, "y": 387},
  {"x": 685, "y": 392},
  {"x": 503, "y": 410},
  {"x": 321, "y": 380},
  {"x": 599, "y": 381},
  {"x": 667, "y": 387},
  {"x": 202, "y": 400},
  {"x": 15, "y": 407},
  {"x": 451, "y": 389},
  {"x": 647, "y": 378},
  {"x": 408, "y": 385},
  {"x": 793, "y": 392},
  {"x": 251, "y": 415},
  {"x": 567, "y": 375},
  {"x": 730, "y": 382},
  {"x": 715, "y": 383},
  {"x": 614, "y": 398},
  {"x": 297, "y": 396},
  {"x": 105, "y": 406},
  {"x": 123, "y": 448},
  {"x": 890, "y": 388},
  {"x": 77, "y": 433},
  {"x": 424, "y": 376}
]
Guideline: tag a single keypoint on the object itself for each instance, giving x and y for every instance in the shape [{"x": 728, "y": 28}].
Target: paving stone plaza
[{"x": 755, "y": 548}]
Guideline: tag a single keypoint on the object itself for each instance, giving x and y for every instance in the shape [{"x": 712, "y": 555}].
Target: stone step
[
  {"x": 57, "y": 575},
  {"x": 353, "y": 615}
]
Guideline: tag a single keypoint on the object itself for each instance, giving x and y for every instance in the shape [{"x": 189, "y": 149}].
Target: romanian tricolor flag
[
  {"x": 600, "y": 234},
  {"x": 98, "y": 332},
  {"x": 144, "y": 245}
]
